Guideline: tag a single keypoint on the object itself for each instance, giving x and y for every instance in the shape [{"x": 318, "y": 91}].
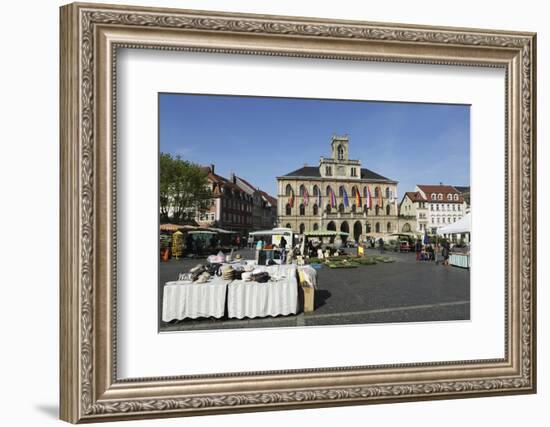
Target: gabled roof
[
  {"x": 462, "y": 189},
  {"x": 270, "y": 199},
  {"x": 415, "y": 196},
  {"x": 368, "y": 174},
  {"x": 445, "y": 190},
  {"x": 309, "y": 171},
  {"x": 313, "y": 172}
]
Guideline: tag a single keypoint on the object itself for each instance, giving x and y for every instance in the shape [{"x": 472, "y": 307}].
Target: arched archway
[
  {"x": 388, "y": 227},
  {"x": 377, "y": 227},
  {"x": 288, "y": 226},
  {"x": 288, "y": 209},
  {"x": 288, "y": 190},
  {"x": 406, "y": 228},
  {"x": 332, "y": 227},
  {"x": 388, "y": 210},
  {"x": 302, "y": 210},
  {"x": 315, "y": 226},
  {"x": 344, "y": 227},
  {"x": 357, "y": 230},
  {"x": 368, "y": 228}
]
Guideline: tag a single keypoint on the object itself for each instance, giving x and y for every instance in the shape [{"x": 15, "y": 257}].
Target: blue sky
[{"x": 262, "y": 138}]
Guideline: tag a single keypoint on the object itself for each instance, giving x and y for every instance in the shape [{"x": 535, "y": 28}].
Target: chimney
[
  {"x": 212, "y": 167},
  {"x": 233, "y": 178}
]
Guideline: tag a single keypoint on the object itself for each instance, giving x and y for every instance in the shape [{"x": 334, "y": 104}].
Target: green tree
[{"x": 183, "y": 189}]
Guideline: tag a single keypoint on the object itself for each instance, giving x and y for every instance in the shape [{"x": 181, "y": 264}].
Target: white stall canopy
[{"x": 463, "y": 225}]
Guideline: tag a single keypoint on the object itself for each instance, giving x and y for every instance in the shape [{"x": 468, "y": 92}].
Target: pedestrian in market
[
  {"x": 445, "y": 253},
  {"x": 250, "y": 241},
  {"x": 418, "y": 249},
  {"x": 282, "y": 245},
  {"x": 381, "y": 245}
]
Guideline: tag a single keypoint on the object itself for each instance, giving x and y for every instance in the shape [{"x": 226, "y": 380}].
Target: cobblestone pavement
[{"x": 403, "y": 291}]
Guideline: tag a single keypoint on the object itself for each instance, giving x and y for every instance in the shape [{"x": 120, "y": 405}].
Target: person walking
[
  {"x": 250, "y": 241},
  {"x": 381, "y": 243},
  {"x": 282, "y": 245},
  {"x": 418, "y": 249},
  {"x": 445, "y": 253}
]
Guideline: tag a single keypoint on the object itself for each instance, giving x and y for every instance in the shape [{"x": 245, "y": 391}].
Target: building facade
[
  {"x": 413, "y": 213},
  {"x": 264, "y": 207},
  {"x": 445, "y": 203},
  {"x": 237, "y": 205},
  {"x": 231, "y": 207},
  {"x": 339, "y": 195}
]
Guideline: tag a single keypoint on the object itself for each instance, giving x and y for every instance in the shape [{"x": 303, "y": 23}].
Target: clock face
[{"x": 341, "y": 171}]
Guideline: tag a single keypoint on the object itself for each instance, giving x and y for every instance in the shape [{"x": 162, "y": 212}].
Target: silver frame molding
[{"x": 90, "y": 37}]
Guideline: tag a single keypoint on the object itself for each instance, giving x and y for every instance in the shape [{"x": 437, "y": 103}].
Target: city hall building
[{"x": 337, "y": 195}]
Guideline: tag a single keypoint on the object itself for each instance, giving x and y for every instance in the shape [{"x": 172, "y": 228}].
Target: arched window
[
  {"x": 388, "y": 209},
  {"x": 388, "y": 227},
  {"x": 302, "y": 190},
  {"x": 365, "y": 192},
  {"x": 440, "y": 196},
  {"x": 376, "y": 192},
  {"x": 387, "y": 192},
  {"x": 353, "y": 208},
  {"x": 288, "y": 210},
  {"x": 377, "y": 210},
  {"x": 340, "y": 152},
  {"x": 377, "y": 227},
  {"x": 353, "y": 191},
  {"x": 315, "y": 227},
  {"x": 327, "y": 209},
  {"x": 329, "y": 190},
  {"x": 341, "y": 208},
  {"x": 315, "y": 209},
  {"x": 341, "y": 191},
  {"x": 302, "y": 228},
  {"x": 367, "y": 228},
  {"x": 302, "y": 210},
  {"x": 288, "y": 226},
  {"x": 449, "y": 197},
  {"x": 365, "y": 209},
  {"x": 315, "y": 190},
  {"x": 288, "y": 190}
]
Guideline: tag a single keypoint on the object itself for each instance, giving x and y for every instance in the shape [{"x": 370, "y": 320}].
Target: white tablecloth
[
  {"x": 253, "y": 299},
  {"x": 192, "y": 300}
]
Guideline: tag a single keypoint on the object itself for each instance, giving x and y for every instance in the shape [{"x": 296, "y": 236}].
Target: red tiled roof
[
  {"x": 269, "y": 198},
  {"x": 415, "y": 196},
  {"x": 444, "y": 190}
]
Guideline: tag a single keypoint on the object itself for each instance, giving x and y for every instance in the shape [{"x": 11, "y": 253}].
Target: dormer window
[
  {"x": 456, "y": 197},
  {"x": 449, "y": 197},
  {"x": 440, "y": 196},
  {"x": 433, "y": 196},
  {"x": 328, "y": 170}
]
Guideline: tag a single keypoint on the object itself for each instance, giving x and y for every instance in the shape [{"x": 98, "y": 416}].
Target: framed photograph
[{"x": 266, "y": 212}]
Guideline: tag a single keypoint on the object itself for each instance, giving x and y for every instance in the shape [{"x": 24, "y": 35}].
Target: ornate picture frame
[{"x": 90, "y": 37}]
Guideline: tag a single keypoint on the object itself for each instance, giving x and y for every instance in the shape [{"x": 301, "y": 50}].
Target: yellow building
[{"x": 337, "y": 195}]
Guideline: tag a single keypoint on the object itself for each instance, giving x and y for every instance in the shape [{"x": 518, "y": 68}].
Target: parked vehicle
[{"x": 404, "y": 246}]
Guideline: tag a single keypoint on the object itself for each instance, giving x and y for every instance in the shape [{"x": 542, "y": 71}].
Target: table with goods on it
[{"x": 238, "y": 288}]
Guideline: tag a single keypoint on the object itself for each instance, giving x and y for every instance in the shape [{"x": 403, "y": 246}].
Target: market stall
[
  {"x": 462, "y": 226},
  {"x": 190, "y": 300},
  {"x": 320, "y": 235},
  {"x": 277, "y": 296}
]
